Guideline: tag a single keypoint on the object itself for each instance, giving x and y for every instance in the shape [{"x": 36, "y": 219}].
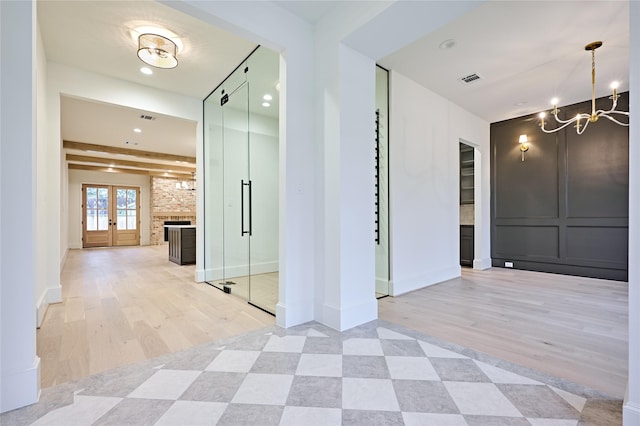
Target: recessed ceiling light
[
  {"x": 266, "y": 104},
  {"x": 112, "y": 165},
  {"x": 447, "y": 44},
  {"x": 137, "y": 130},
  {"x": 146, "y": 70},
  {"x": 267, "y": 97}
]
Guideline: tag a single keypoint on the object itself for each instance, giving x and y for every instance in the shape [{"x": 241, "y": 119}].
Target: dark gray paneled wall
[{"x": 565, "y": 208}]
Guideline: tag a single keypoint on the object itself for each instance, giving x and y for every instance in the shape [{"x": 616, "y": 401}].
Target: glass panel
[
  {"x": 103, "y": 220},
  {"x": 131, "y": 219},
  {"x": 263, "y": 72},
  {"x": 131, "y": 198},
  {"x": 103, "y": 198},
  {"x": 92, "y": 198},
  {"x": 220, "y": 187},
  {"x": 121, "y": 222},
  {"x": 121, "y": 195},
  {"x": 91, "y": 220},
  {"x": 236, "y": 189}
]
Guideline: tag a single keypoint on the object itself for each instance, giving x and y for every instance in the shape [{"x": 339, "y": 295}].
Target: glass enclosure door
[
  {"x": 237, "y": 189},
  {"x": 241, "y": 182},
  {"x": 264, "y": 171}
]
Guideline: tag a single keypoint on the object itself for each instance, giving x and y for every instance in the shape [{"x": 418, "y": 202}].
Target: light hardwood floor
[
  {"x": 127, "y": 304},
  {"x": 124, "y": 305},
  {"x": 570, "y": 327}
]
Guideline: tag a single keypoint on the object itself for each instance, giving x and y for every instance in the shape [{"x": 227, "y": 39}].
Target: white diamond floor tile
[
  {"x": 165, "y": 384},
  {"x": 483, "y": 399},
  {"x": 552, "y": 422},
  {"x": 576, "y": 401},
  {"x": 231, "y": 361},
  {"x": 498, "y": 375},
  {"x": 411, "y": 368},
  {"x": 434, "y": 351},
  {"x": 369, "y": 394},
  {"x": 285, "y": 344},
  {"x": 264, "y": 389},
  {"x": 322, "y": 365},
  {"x": 385, "y": 333},
  {"x": 311, "y": 416},
  {"x": 429, "y": 419}
]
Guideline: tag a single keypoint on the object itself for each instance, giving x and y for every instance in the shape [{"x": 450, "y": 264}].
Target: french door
[{"x": 110, "y": 216}]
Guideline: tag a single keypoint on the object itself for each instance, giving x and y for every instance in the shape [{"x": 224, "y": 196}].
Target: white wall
[
  {"x": 79, "y": 177},
  {"x": 424, "y": 183},
  {"x": 48, "y": 288},
  {"x": 20, "y": 366}
]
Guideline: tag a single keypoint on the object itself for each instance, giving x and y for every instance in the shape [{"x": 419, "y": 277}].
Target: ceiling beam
[
  {"x": 81, "y": 146},
  {"x": 129, "y": 171},
  {"x": 127, "y": 163}
]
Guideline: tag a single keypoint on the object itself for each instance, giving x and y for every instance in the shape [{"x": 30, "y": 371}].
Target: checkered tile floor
[{"x": 375, "y": 374}]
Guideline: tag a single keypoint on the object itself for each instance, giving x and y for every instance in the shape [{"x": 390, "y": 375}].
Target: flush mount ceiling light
[
  {"x": 595, "y": 114},
  {"x": 157, "y": 51}
]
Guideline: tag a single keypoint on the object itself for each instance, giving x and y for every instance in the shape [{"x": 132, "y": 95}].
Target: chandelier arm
[
  {"x": 580, "y": 131},
  {"x": 557, "y": 128},
  {"x": 571, "y": 120},
  {"x": 616, "y": 121}
]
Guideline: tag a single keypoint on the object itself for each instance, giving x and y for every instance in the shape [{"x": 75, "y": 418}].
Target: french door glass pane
[
  {"x": 103, "y": 220},
  {"x": 121, "y": 195},
  {"x": 103, "y": 198},
  {"x": 91, "y": 220},
  {"x": 122, "y": 219},
  {"x": 131, "y": 219},
  {"x": 131, "y": 198}
]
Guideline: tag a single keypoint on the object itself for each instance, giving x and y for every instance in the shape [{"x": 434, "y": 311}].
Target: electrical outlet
[{"x": 508, "y": 264}]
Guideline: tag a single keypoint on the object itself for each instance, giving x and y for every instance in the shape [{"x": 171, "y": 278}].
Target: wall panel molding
[{"x": 564, "y": 209}]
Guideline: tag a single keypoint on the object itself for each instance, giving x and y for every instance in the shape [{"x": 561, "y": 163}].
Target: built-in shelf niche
[{"x": 466, "y": 174}]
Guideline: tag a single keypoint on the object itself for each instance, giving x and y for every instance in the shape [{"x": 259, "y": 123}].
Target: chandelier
[
  {"x": 157, "y": 51},
  {"x": 584, "y": 117}
]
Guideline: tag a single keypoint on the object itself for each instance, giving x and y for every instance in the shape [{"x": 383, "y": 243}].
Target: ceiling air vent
[
  {"x": 470, "y": 78},
  {"x": 147, "y": 117}
]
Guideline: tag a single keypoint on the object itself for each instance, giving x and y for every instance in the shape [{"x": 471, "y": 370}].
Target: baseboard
[
  {"x": 405, "y": 285},
  {"x": 20, "y": 388},
  {"x": 75, "y": 245},
  {"x": 51, "y": 295},
  {"x": 200, "y": 275},
  {"x": 350, "y": 316},
  {"x": 482, "y": 264},
  {"x": 63, "y": 258},
  {"x": 630, "y": 414}
]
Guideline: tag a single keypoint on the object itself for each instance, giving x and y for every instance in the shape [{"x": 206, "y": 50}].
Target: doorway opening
[
  {"x": 467, "y": 204},
  {"x": 110, "y": 216}
]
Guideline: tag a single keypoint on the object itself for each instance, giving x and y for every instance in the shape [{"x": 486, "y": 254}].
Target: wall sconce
[{"x": 524, "y": 146}]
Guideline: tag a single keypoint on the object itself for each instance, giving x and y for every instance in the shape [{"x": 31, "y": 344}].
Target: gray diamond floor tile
[
  {"x": 371, "y": 418},
  {"x": 373, "y": 367},
  {"x": 135, "y": 412},
  {"x": 526, "y": 398},
  {"x": 251, "y": 415},
  {"x": 424, "y": 396},
  {"x": 276, "y": 363},
  {"x": 307, "y": 391},
  {"x": 458, "y": 370},
  {"x": 214, "y": 386}
]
